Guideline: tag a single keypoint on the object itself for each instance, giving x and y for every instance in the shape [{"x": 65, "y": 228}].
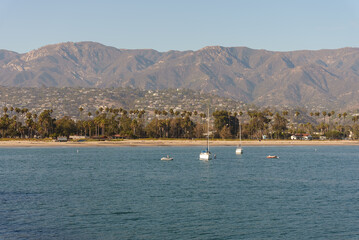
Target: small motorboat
[
  {"x": 272, "y": 156},
  {"x": 168, "y": 158}
]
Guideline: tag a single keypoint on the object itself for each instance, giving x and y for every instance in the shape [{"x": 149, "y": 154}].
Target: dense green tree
[
  {"x": 30, "y": 124},
  {"x": 152, "y": 128},
  {"x": 187, "y": 126},
  {"x": 176, "y": 130},
  {"x": 224, "y": 118},
  {"x": 4, "y": 124},
  {"x": 198, "y": 131},
  {"x": 65, "y": 126},
  {"x": 108, "y": 121},
  {"x": 46, "y": 123},
  {"x": 225, "y": 133},
  {"x": 279, "y": 125},
  {"x": 356, "y": 131},
  {"x": 334, "y": 134},
  {"x": 257, "y": 124},
  {"x": 126, "y": 126}
]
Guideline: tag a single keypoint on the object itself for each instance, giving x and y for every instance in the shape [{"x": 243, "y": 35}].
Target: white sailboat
[
  {"x": 239, "y": 149},
  {"x": 206, "y": 154}
]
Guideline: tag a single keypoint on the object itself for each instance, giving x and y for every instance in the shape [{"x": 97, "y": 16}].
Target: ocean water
[{"x": 309, "y": 192}]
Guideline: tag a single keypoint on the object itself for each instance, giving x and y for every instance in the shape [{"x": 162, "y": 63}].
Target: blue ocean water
[{"x": 309, "y": 192}]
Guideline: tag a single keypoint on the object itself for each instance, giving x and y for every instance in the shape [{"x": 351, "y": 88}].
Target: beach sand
[{"x": 161, "y": 142}]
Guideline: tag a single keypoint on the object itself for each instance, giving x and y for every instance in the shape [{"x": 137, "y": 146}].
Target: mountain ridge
[{"x": 327, "y": 77}]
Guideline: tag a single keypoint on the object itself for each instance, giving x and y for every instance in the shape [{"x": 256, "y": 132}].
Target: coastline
[{"x": 167, "y": 142}]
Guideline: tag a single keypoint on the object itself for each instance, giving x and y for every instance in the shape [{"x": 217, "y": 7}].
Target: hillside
[
  {"x": 67, "y": 101},
  {"x": 320, "y": 79}
]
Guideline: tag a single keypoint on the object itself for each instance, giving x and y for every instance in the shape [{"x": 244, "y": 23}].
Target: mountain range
[{"x": 315, "y": 79}]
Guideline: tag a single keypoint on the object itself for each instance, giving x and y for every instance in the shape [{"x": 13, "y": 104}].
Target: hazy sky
[{"x": 163, "y": 25}]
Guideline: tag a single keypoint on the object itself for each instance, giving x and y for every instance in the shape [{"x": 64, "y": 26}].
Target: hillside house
[
  {"x": 301, "y": 137},
  {"x": 296, "y": 137},
  {"x": 307, "y": 137}
]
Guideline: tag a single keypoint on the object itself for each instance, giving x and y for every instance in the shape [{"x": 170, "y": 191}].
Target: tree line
[{"x": 121, "y": 123}]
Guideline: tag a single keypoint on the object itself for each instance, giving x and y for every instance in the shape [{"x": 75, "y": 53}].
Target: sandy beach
[{"x": 161, "y": 142}]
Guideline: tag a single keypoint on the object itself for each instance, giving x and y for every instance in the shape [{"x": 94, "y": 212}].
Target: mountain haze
[{"x": 323, "y": 78}]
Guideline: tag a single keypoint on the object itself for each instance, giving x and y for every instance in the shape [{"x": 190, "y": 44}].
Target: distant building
[
  {"x": 76, "y": 137},
  {"x": 307, "y": 137},
  {"x": 301, "y": 137},
  {"x": 61, "y": 139},
  {"x": 118, "y": 136},
  {"x": 296, "y": 137},
  {"x": 351, "y": 135}
]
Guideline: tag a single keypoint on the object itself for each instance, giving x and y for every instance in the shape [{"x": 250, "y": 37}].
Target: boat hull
[
  {"x": 205, "y": 156},
  {"x": 239, "y": 151}
]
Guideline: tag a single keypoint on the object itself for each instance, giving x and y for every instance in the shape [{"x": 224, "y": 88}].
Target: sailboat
[
  {"x": 206, "y": 154},
  {"x": 239, "y": 149}
]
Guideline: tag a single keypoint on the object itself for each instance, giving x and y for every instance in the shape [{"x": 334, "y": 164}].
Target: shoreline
[{"x": 181, "y": 142}]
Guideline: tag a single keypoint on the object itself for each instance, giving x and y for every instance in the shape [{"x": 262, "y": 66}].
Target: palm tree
[
  {"x": 103, "y": 122},
  {"x": 329, "y": 115},
  {"x": 90, "y": 125},
  {"x": 332, "y": 112},
  {"x": 296, "y": 114},
  {"x": 83, "y": 126},
  {"x": 4, "y": 124},
  {"x": 355, "y": 119},
  {"x": 81, "y": 110},
  {"x": 324, "y": 113},
  {"x": 97, "y": 123},
  {"x": 29, "y": 123},
  {"x": 11, "y": 110},
  {"x": 46, "y": 122}
]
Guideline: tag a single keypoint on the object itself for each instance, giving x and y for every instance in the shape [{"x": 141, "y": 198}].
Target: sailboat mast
[
  {"x": 240, "y": 134},
  {"x": 208, "y": 130}
]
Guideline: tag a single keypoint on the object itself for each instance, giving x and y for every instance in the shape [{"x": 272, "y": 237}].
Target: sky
[{"x": 163, "y": 25}]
